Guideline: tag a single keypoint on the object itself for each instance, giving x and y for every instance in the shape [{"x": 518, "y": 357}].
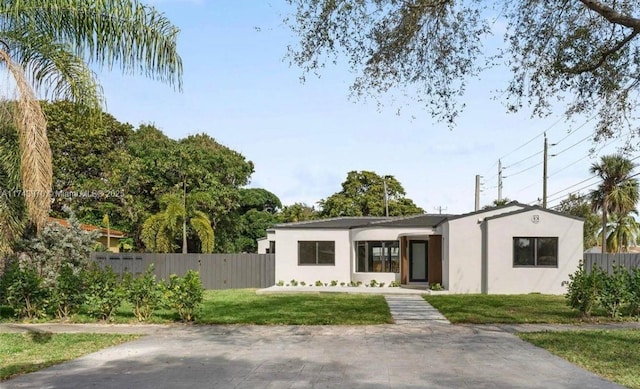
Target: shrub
[
  {"x": 613, "y": 290},
  {"x": 302, "y": 283},
  {"x": 334, "y": 283},
  {"x": 435, "y": 286},
  {"x": 294, "y": 283},
  {"x": 185, "y": 294},
  {"x": 633, "y": 285},
  {"x": 373, "y": 283},
  {"x": 144, "y": 293},
  {"x": 394, "y": 284},
  {"x": 67, "y": 294},
  {"x": 104, "y": 292},
  {"x": 280, "y": 283},
  {"x": 24, "y": 290},
  {"x": 57, "y": 246},
  {"x": 582, "y": 289},
  {"x": 319, "y": 283}
]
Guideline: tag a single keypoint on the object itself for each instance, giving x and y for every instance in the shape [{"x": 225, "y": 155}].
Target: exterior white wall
[
  {"x": 503, "y": 278},
  {"x": 376, "y": 234},
  {"x": 287, "y": 267},
  {"x": 263, "y": 245},
  {"x": 462, "y": 251}
]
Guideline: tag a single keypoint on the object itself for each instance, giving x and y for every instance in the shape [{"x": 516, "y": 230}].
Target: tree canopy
[
  {"x": 582, "y": 54},
  {"x": 363, "y": 194},
  {"x": 46, "y": 47}
]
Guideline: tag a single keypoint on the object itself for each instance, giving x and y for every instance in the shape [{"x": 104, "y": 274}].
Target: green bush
[
  {"x": 144, "y": 293},
  {"x": 104, "y": 292},
  {"x": 613, "y": 291},
  {"x": 24, "y": 290},
  {"x": 67, "y": 294},
  {"x": 633, "y": 286},
  {"x": 185, "y": 294},
  {"x": 435, "y": 287},
  {"x": 583, "y": 289}
]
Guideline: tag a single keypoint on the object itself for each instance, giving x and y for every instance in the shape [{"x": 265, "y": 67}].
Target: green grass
[
  {"x": 24, "y": 353},
  {"x": 614, "y": 355},
  {"x": 245, "y": 307},
  {"x": 519, "y": 309}
]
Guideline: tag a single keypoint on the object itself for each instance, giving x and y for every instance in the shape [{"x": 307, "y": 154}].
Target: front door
[{"x": 418, "y": 260}]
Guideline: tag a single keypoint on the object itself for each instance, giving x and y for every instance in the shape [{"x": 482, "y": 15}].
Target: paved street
[{"x": 413, "y": 355}]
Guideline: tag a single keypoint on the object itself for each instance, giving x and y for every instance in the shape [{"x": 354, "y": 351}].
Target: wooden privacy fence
[
  {"x": 607, "y": 262},
  {"x": 217, "y": 271}
]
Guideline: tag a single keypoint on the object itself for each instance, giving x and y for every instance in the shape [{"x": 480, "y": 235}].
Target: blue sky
[{"x": 304, "y": 137}]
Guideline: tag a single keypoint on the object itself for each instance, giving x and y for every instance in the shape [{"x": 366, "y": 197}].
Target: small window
[
  {"x": 316, "y": 253},
  {"x": 535, "y": 252},
  {"x": 272, "y": 247}
]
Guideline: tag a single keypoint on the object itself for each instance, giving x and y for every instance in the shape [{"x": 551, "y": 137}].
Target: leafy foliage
[
  {"x": 67, "y": 295},
  {"x": 297, "y": 212},
  {"x": 57, "y": 246},
  {"x": 46, "y": 48},
  {"x": 24, "y": 290},
  {"x": 104, "y": 292},
  {"x": 613, "y": 291},
  {"x": 578, "y": 205},
  {"x": 617, "y": 193},
  {"x": 185, "y": 294},
  {"x": 363, "y": 194},
  {"x": 582, "y": 54},
  {"x": 143, "y": 292},
  {"x": 634, "y": 291},
  {"x": 583, "y": 289}
]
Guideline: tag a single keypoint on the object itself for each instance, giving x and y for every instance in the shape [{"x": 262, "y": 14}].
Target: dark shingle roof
[
  {"x": 418, "y": 221},
  {"x": 334, "y": 223}
]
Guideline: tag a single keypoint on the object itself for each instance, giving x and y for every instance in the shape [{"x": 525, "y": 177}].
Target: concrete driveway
[{"x": 421, "y": 355}]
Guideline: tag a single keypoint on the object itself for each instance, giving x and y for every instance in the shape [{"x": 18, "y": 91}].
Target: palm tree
[
  {"x": 12, "y": 212},
  {"x": 46, "y": 45},
  {"x": 618, "y": 191},
  {"x": 622, "y": 232},
  {"x": 161, "y": 231}
]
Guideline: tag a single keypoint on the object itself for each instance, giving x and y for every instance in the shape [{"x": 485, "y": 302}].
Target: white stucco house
[{"x": 510, "y": 249}]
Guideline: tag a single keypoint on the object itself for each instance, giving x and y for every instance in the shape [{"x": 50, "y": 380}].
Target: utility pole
[
  {"x": 386, "y": 197},
  {"x": 440, "y": 209},
  {"x": 544, "y": 174},
  {"x": 477, "y": 204},
  {"x": 499, "y": 181}
]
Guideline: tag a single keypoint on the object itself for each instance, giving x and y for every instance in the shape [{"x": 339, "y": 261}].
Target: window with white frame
[{"x": 535, "y": 252}]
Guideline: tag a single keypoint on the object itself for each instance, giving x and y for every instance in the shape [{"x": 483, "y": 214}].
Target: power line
[
  {"x": 523, "y": 170},
  {"x": 523, "y": 159},
  {"x": 572, "y": 146}
]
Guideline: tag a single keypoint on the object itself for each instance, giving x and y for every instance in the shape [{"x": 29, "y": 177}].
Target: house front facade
[{"x": 510, "y": 249}]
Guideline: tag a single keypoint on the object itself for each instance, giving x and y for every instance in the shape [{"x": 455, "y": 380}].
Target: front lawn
[
  {"x": 24, "y": 353},
  {"x": 246, "y": 307},
  {"x": 527, "y": 308},
  {"x": 614, "y": 355}
]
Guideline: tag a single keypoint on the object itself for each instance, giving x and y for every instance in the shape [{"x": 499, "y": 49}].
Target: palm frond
[
  {"x": 12, "y": 207},
  {"x": 137, "y": 37},
  {"x": 53, "y": 68},
  {"x": 35, "y": 161},
  {"x": 202, "y": 226}
]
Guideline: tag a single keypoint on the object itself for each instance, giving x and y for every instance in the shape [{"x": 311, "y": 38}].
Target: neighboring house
[
  {"x": 109, "y": 239},
  {"x": 267, "y": 245},
  {"x": 514, "y": 248}
]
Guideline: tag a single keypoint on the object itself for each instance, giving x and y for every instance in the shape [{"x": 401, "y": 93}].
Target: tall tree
[
  {"x": 297, "y": 212},
  {"x": 45, "y": 47},
  {"x": 618, "y": 191},
  {"x": 363, "y": 194},
  {"x": 581, "y": 53},
  {"x": 12, "y": 207},
  {"x": 622, "y": 232},
  {"x": 161, "y": 231},
  {"x": 578, "y": 205}
]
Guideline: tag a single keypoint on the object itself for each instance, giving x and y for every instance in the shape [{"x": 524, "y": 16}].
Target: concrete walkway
[{"x": 407, "y": 309}]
